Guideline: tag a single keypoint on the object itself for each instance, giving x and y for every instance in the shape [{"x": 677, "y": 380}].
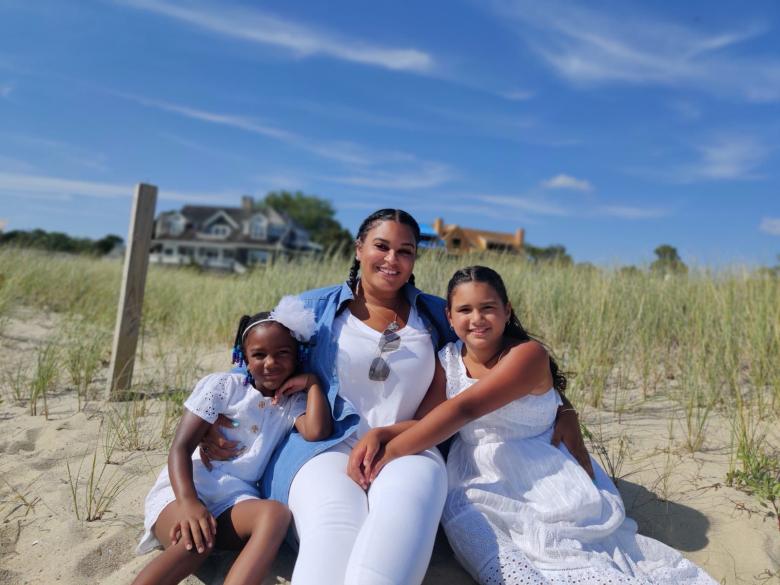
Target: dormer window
[
  {"x": 220, "y": 230},
  {"x": 174, "y": 225},
  {"x": 258, "y": 229}
]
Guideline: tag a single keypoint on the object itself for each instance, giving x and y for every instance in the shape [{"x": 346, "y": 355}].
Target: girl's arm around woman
[{"x": 524, "y": 370}]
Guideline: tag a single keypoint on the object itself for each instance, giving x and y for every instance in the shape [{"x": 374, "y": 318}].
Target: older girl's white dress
[
  {"x": 521, "y": 511},
  {"x": 261, "y": 425}
]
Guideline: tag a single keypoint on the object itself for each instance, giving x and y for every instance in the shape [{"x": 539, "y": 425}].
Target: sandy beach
[{"x": 676, "y": 496}]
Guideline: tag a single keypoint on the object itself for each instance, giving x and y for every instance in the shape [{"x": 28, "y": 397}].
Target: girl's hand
[
  {"x": 362, "y": 457},
  {"x": 196, "y": 527},
  {"x": 215, "y": 446},
  {"x": 567, "y": 429},
  {"x": 292, "y": 385}
]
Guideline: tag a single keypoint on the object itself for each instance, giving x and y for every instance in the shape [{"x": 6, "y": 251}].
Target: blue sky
[{"x": 608, "y": 127}]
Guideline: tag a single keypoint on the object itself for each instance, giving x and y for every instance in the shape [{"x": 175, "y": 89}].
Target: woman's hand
[
  {"x": 567, "y": 429},
  {"x": 362, "y": 457},
  {"x": 388, "y": 454},
  {"x": 215, "y": 446},
  {"x": 196, "y": 527},
  {"x": 292, "y": 385}
]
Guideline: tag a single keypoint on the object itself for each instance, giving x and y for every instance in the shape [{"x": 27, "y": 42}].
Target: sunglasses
[{"x": 380, "y": 369}]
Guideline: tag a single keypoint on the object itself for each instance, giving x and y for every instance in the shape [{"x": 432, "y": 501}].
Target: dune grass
[{"x": 707, "y": 341}]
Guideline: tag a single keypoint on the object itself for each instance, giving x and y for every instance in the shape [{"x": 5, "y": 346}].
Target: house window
[
  {"x": 220, "y": 230},
  {"x": 456, "y": 242},
  {"x": 174, "y": 225},
  {"x": 258, "y": 229},
  {"x": 227, "y": 253}
]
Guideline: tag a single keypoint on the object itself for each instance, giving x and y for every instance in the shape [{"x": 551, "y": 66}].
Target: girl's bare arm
[
  {"x": 196, "y": 526},
  {"x": 524, "y": 370},
  {"x": 316, "y": 423}
]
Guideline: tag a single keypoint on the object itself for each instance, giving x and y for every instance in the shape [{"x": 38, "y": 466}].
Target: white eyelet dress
[
  {"x": 521, "y": 511},
  {"x": 261, "y": 426}
]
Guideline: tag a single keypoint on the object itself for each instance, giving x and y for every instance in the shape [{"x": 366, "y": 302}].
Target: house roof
[
  {"x": 476, "y": 237},
  {"x": 197, "y": 215}
]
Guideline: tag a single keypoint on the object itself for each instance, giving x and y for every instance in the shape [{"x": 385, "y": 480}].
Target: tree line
[{"x": 60, "y": 242}]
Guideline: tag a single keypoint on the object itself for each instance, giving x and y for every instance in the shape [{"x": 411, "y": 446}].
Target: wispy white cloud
[
  {"x": 370, "y": 168},
  {"x": 24, "y": 185},
  {"x": 770, "y": 225},
  {"x": 64, "y": 151},
  {"x": 728, "y": 157},
  {"x": 6, "y": 89},
  {"x": 425, "y": 176},
  {"x": 629, "y": 212},
  {"x": 686, "y": 109},
  {"x": 518, "y": 95},
  {"x": 587, "y": 46},
  {"x": 15, "y": 165},
  {"x": 341, "y": 151},
  {"x": 563, "y": 181},
  {"x": 256, "y": 26},
  {"x": 528, "y": 204}
]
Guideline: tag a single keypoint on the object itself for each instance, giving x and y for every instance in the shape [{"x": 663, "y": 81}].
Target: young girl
[
  {"x": 520, "y": 510},
  {"x": 191, "y": 509}
]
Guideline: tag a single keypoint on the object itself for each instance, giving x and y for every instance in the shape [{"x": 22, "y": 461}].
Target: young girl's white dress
[
  {"x": 521, "y": 511},
  {"x": 261, "y": 426}
]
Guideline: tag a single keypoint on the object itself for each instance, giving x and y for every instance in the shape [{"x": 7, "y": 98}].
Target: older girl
[{"x": 519, "y": 510}]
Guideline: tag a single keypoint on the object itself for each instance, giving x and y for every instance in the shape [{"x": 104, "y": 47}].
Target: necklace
[
  {"x": 497, "y": 356},
  {"x": 393, "y": 325}
]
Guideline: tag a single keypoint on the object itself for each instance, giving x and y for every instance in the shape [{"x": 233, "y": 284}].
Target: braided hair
[
  {"x": 368, "y": 224},
  {"x": 514, "y": 329}
]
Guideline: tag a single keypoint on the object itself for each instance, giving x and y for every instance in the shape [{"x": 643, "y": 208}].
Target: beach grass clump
[
  {"x": 45, "y": 377},
  {"x": 16, "y": 380},
  {"x": 127, "y": 421},
  {"x": 758, "y": 471},
  {"x": 93, "y": 495},
  {"x": 84, "y": 354}
]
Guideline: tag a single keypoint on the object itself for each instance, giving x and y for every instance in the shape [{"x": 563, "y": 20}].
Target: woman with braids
[
  {"x": 375, "y": 353},
  {"x": 519, "y": 511}
]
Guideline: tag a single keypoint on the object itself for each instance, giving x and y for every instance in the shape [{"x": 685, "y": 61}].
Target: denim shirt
[{"x": 327, "y": 303}]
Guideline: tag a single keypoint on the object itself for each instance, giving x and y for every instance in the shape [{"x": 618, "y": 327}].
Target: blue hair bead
[
  {"x": 238, "y": 356},
  {"x": 248, "y": 379}
]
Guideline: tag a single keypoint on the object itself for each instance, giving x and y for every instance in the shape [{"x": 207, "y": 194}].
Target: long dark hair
[
  {"x": 372, "y": 220},
  {"x": 514, "y": 329}
]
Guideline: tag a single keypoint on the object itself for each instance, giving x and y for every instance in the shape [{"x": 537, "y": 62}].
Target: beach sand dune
[{"x": 677, "y": 497}]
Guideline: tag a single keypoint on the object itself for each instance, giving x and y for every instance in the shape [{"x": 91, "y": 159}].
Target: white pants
[{"x": 350, "y": 537}]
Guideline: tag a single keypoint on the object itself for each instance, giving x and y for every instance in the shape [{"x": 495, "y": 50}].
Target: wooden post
[{"x": 131, "y": 295}]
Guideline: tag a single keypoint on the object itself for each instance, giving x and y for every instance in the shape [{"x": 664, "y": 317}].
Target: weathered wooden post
[{"x": 131, "y": 295}]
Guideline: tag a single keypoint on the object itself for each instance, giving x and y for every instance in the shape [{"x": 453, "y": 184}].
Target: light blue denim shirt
[{"x": 327, "y": 303}]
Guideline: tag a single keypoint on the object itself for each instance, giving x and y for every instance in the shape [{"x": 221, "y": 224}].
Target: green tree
[
  {"x": 668, "y": 261},
  {"x": 107, "y": 243},
  {"x": 314, "y": 214},
  {"x": 57, "y": 242},
  {"x": 554, "y": 254}
]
